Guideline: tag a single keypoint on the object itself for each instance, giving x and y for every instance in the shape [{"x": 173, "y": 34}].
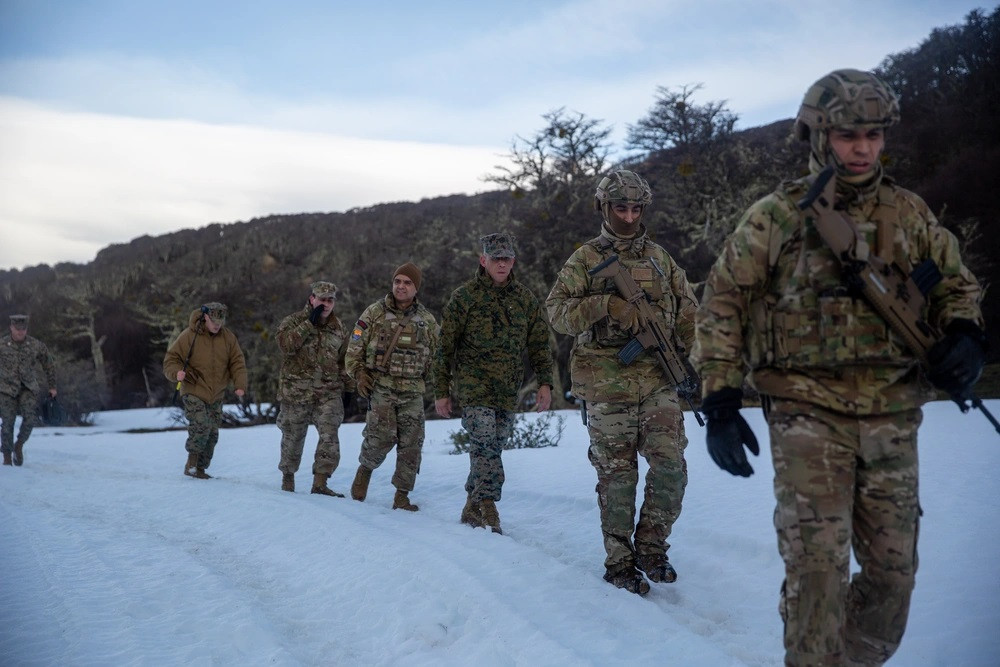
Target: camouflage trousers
[
  {"x": 25, "y": 403},
  {"x": 394, "y": 418},
  {"x": 294, "y": 420},
  {"x": 204, "y": 420},
  {"x": 619, "y": 433},
  {"x": 489, "y": 430},
  {"x": 843, "y": 481}
]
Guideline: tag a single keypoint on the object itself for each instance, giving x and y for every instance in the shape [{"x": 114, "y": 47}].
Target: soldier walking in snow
[
  {"x": 204, "y": 360},
  {"x": 313, "y": 380},
  {"x": 841, "y": 387},
  {"x": 21, "y": 356},
  {"x": 488, "y": 324},
  {"x": 631, "y": 409},
  {"x": 389, "y": 357}
]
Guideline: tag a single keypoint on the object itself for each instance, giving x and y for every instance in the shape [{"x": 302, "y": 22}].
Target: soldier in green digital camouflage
[
  {"x": 204, "y": 360},
  {"x": 389, "y": 357},
  {"x": 311, "y": 387},
  {"x": 488, "y": 324},
  {"x": 631, "y": 410},
  {"x": 21, "y": 357},
  {"x": 842, "y": 391}
]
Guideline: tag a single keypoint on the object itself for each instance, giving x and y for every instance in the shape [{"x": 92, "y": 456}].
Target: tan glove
[
  {"x": 625, "y": 313},
  {"x": 366, "y": 382}
]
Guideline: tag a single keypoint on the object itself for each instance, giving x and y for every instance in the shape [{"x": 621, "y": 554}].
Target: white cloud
[{"x": 71, "y": 183}]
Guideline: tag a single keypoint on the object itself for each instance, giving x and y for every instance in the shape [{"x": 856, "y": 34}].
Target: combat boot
[
  {"x": 6, "y": 459},
  {"x": 657, "y": 568},
  {"x": 359, "y": 489},
  {"x": 470, "y": 513},
  {"x": 192, "y": 464},
  {"x": 18, "y": 453},
  {"x": 627, "y": 577},
  {"x": 288, "y": 482},
  {"x": 402, "y": 502},
  {"x": 491, "y": 517},
  {"x": 320, "y": 487},
  {"x": 199, "y": 473}
]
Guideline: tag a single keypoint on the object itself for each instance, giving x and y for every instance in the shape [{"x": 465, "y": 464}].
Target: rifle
[
  {"x": 897, "y": 297},
  {"x": 197, "y": 330},
  {"x": 651, "y": 335}
]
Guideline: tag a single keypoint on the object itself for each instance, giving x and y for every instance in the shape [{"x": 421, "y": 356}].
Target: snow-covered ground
[{"x": 109, "y": 555}]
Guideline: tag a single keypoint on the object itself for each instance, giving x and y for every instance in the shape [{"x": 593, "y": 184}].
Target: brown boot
[
  {"x": 288, "y": 482},
  {"x": 191, "y": 465},
  {"x": 627, "y": 577},
  {"x": 402, "y": 502},
  {"x": 6, "y": 459},
  {"x": 471, "y": 515},
  {"x": 657, "y": 568},
  {"x": 199, "y": 473},
  {"x": 359, "y": 489},
  {"x": 491, "y": 517},
  {"x": 320, "y": 487},
  {"x": 18, "y": 453}
]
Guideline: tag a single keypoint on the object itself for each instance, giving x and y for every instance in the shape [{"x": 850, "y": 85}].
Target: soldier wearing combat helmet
[
  {"x": 842, "y": 389},
  {"x": 632, "y": 409}
]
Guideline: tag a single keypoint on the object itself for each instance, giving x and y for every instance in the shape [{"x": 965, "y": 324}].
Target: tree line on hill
[{"x": 109, "y": 322}]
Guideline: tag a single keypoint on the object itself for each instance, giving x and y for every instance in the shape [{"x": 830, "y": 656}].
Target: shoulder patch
[{"x": 359, "y": 329}]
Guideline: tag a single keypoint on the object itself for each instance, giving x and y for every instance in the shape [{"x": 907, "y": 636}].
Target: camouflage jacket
[
  {"x": 578, "y": 306},
  {"x": 312, "y": 358},
  {"x": 19, "y": 365},
  {"x": 775, "y": 304},
  {"x": 216, "y": 361},
  {"x": 409, "y": 365},
  {"x": 485, "y": 330}
]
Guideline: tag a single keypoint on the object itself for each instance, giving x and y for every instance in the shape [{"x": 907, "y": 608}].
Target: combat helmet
[
  {"x": 844, "y": 97},
  {"x": 621, "y": 186}
]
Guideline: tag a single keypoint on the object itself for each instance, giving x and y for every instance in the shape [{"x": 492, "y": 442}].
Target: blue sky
[{"x": 124, "y": 118}]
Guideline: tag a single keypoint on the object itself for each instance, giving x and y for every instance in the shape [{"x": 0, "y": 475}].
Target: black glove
[
  {"x": 727, "y": 431},
  {"x": 316, "y": 313},
  {"x": 956, "y": 361}
]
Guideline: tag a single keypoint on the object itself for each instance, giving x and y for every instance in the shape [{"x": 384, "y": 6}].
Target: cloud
[{"x": 71, "y": 183}]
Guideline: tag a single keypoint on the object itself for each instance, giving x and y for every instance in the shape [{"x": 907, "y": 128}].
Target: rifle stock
[
  {"x": 897, "y": 297},
  {"x": 651, "y": 334}
]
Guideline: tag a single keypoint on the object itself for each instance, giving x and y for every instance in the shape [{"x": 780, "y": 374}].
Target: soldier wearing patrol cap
[
  {"x": 631, "y": 410},
  {"x": 842, "y": 390},
  {"x": 21, "y": 356},
  {"x": 204, "y": 360},
  {"x": 313, "y": 344},
  {"x": 488, "y": 324},
  {"x": 389, "y": 357}
]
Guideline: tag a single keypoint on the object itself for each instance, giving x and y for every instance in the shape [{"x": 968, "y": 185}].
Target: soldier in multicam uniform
[
  {"x": 20, "y": 357},
  {"x": 313, "y": 345},
  {"x": 631, "y": 410},
  {"x": 488, "y": 324},
  {"x": 842, "y": 392},
  {"x": 389, "y": 357},
  {"x": 204, "y": 360}
]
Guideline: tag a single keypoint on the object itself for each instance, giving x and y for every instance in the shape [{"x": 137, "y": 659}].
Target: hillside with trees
[{"x": 109, "y": 321}]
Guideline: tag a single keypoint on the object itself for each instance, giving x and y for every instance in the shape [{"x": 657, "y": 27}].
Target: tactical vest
[
  {"x": 649, "y": 273},
  {"x": 809, "y": 318},
  {"x": 409, "y": 357}
]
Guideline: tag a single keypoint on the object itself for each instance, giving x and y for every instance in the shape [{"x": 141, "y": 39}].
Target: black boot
[
  {"x": 657, "y": 568},
  {"x": 627, "y": 577}
]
